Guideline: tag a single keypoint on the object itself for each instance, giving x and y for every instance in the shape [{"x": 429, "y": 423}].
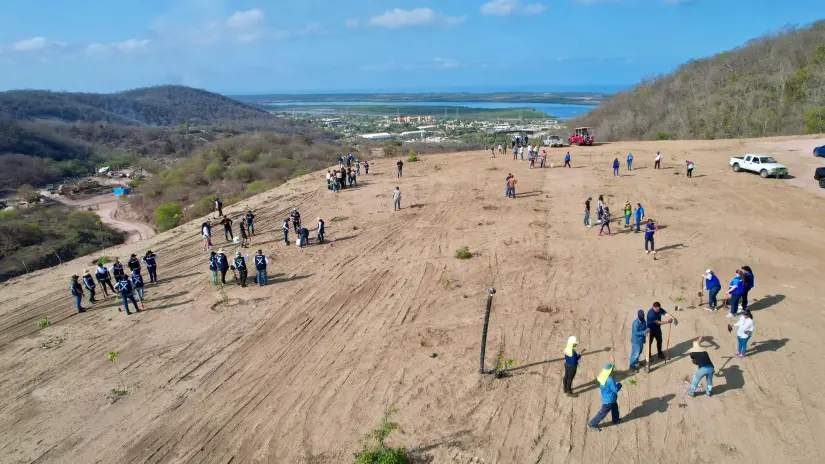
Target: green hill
[{"x": 774, "y": 85}]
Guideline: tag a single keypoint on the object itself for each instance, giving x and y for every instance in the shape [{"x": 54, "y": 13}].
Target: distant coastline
[{"x": 563, "y": 98}]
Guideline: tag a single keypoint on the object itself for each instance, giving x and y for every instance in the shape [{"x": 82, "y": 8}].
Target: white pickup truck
[
  {"x": 766, "y": 166},
  {"x": 553, "y": 141}
]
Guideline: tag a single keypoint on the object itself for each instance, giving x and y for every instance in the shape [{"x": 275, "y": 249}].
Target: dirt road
[
  {"x": 109, "y": 208},
  {"x": 299, "y": 370}
]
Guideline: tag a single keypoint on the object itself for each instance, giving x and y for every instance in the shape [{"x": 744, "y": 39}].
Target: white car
[
  {"x": 553, "y": 141},
  {"x": 766, "y": 166}
]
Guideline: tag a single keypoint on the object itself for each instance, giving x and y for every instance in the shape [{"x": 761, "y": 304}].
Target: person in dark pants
[
  {"x": 133, "y": 263},
  {"x": 713, "y": 286},
  {"x": 223, "y": 265},
  {"x": 571, "y": 365},
  {"x": 227, "y": 228},
  {"x": 638, "y": 337},
  {"x": 286, "y": 231},
  {"x": 244, "y": 236},
  {"x": 736, "y": 290},
  {"x": 400, "y": 165},
  {"x": 89, "y": 283},
  {"x": 367, "y": 168},
  {"x": 104, "y": 279},
  {"x": 303, "y": 236},
  {"x": 77, "y": 293},
  {"x": 296, "y": 219},
  {"x": 320, "y": 230},
  {"x": 137, "y": 283},
  {"x": 219, "y": 206},
  {"x": 651, "y": 229},
  {"x": 260, "y": 266},
  {"x": 748, "y": 286},
  {"x": 150, "y": 259},
  {"x": 240, "y": 265},
  {"x": 567, "y": 160},
  {"x": 213, "y": 267},
  {"x": 117, "y": 271},
  {"x": 250, "y": 222},
  {"x": 610, "y": 392},
  {"x": 654, "y": 324},
  {"x": 124, "y": 287}
]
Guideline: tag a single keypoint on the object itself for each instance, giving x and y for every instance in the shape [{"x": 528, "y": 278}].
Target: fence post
[{"x": 490, "y": 292}]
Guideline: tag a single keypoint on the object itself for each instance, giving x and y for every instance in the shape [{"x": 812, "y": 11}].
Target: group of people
[
  {"x": 604, "y": 219},
  {"x": 219, "y": 265},
  {"x": 347, "y": 174},
  {"x": 737, "y": 293},
  {"x": 127, "y": 285},
  {"x": 246, "y": 229}
]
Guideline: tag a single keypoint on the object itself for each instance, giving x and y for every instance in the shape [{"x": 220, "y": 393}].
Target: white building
[{"x": 377, "y": 136}]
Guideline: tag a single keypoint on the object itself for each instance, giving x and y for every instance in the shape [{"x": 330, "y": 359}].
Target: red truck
[{"x": 583, "y": 136}]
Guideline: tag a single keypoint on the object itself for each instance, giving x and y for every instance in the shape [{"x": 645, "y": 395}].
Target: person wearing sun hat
[
  {"x": 701, "y": 359},
  {"x": 610, "y": 390},
  {"x": 713, "y": 286},
  {"x": 222, "y": 263},
  {"x": 638, "y": 338},
  {"x": 89, "y": 283},
  {"x": 571, "y": 365},
  {"x": 77, "y": 293}
]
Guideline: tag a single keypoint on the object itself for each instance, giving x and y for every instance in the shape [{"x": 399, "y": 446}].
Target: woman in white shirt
[
  {"x": 657, "y": 161},
  {"x": 744, "y": 333}
]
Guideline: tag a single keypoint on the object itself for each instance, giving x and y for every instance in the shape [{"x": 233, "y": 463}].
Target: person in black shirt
[
  {"x": 244, "y": 236},
  {"x": 104, "y": 279},
  {"x": 77, "y": 293},
  {"x": 117, "y": 271},
  {"x": 223, "y": 265},
  {"x": 366, "y": 167},
  {"x": 240, "y": 265},
  {"x": 134, "y": 263},
  {"x": 124, "y": 286},
  {"x": 260, "y": 266},
  {"x": 250, "y": 224},
  {"x": 296, "y": 219},
  {"x": 213, "y": 267},
  {"x": 89, "y": 283},
  {"x": 151, "y": 265},
  {"x": 700, "y": 357},
  {"x": 227, "y": 228},
  {"x": 400, "y": 165},
  {"x": 320, "y": 230}
]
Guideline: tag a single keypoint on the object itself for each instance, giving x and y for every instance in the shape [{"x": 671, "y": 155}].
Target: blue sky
[{"x": 268, "y": 46}]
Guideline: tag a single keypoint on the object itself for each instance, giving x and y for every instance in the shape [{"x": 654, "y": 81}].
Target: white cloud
[
  {"x": 31, "y": 45},
  {"x": 508, "y": 7},
  {"x": 398, "y": 18},
  {"x": 127, "y": 47},
  {"x": 245, "y": 19}
]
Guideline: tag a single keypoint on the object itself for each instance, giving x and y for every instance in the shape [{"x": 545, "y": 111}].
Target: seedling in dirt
[
  {"x": 502, "y": 366},
  {"x": 678, "y": 299},
  {"x": 633, "y": 382},
  {"x": 448, "y": 284},
  {"x": 492, "y": 169},
  {"x": 44, "y": 322},
  {"x": 463, "y": 253},
  {"x": 375, "y": 450},
  {"x": 112, "y": 356}
]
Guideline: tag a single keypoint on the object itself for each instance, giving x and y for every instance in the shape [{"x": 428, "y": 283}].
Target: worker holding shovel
[{"x": 654, "y": 324}]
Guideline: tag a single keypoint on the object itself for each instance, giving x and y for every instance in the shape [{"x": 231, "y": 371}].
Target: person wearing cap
[
  {"x": 77, "y": 293},
  {"x": 748, "y": 281},
  {"x": 223, "y": 264},
  {"x": 744, "y": 333},
  {"x": 587, "y": 212},
  {"x": 296, "y": 219},
  {"x": 736, "y": 290},
  {"x": 638, "y": 336},
  {"x": 133, "y": 263},
  {"x": 320, "y": 230},
  {"x": 571, "y": 365},
  {"x": 713, "y": 286},
  {"x": 260, "y": 266},
  {"x": 124, "y": 287},
  {"x": 240, "y": 265},
  {"x": 213, "y": 267},
  {"x": 89, "y": 283},
  {"x": 701, "y": 359},
  {"x": 610, "y": 390},
  {"x": 104, "y": 278},
  {"x": 150, "y": 259},
  {"x": 654, "y": 324},
  {"x": 286, "y": 231},
  {"x": 117, "y": 270}
]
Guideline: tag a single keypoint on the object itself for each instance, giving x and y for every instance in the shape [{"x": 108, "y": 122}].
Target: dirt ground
[
  {"x": 112, "y": 212},
  {"x": 298, "y": 371}
]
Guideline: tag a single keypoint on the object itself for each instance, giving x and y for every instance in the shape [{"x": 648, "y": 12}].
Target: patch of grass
[
  {"x": 118, "y": 392},
  {"x": 375, "y": 450},
  {"x": 44, "y": 322},
  {"x": 463, "y": 253},
  {"x": 102, "y": 260},
  {"x": 492, "y": 169},
  {"x": 669, "y": 207},
  {"x": 412, "y": 158},
  {"x": 633, "y": 382},
  {"x": 339, "y": 219},
  {"x": 448, "y": 284}
]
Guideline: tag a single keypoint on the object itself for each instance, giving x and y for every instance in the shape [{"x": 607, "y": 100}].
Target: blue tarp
[{"x": 119, "y": 192}]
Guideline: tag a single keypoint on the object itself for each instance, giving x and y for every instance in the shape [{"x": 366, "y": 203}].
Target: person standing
[
  {"x": 77, "y": 293},
  {"x": 150, "y": 259},
  {"x": 748, "y": 281},
  {"x": 587, "y": 212},
  {"x": 511, "y": 182},
  {"x": 521, "y": 152},
  {"x": 567, "y": 160},
  {"x": 133, "y": 263},
  {"x": 515, "y": 151},
  {"x": 543, "y": 158},
  {"x": 609, "y": 390},
  {"x": 701, "y": 359},
  {"x": 651, "y": 229},
  {"x": 341, "y": 161},
  {"x": 124, "y": 287},
  {"x": 744, "y": 333},
  {"x": 219, "y": 206},
  {"x": 606, "y": 222},
  {"x": 400, "y": 165},
  {"x": 492, "y": 151},
  {"x": 339, "y": 178},
  {"x": 532, "y": 158},
  {"x": 628, "y": 211},
  {"x": 227, "y": 228},
  {"x": 286, "y": 231},
  {"x": 713, "y": 286},
  {"x": 213, "y": 267},
  {"x": 500, "y": 149},
  {"x": 600, "y": 208},
  {"x": 137, "y": 283},
  {"x": 357, "y": 167},
  {"x": 396, "y": 199},
  {"x": 736, "y": 290},
  {"x": 571, "y": 365},
  {"x": 244, "y": 236},
  {"x": 260, "y": 266},
  {"x": 640, "y": 215},
  {"x": 222, "y": 263},
  {"x": 320, "y": 230},
  {"x": 638, "y": 336},
  {"x": 616, "y": 167},
  {"x": 250, "y": 222},
  {"x": 89, "y": 283},
  {"x": 104, "y": 279},
  {"x": 366, "y": 168},
  {"x": 117, "y": 270},
  {"x": 353, "y": 180},
  {"x": 240, "y": 265},
  {"x": 690, "y": 167},
  {"x": 630, "y": 161},
  {"x": 296, "y": 219},
  {"x": 654, "y": 324},
  {"x": 657, "y": 161},
  {"x": 206, "y": 232}
]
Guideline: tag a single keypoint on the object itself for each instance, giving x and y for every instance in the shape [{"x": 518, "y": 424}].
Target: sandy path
[
  {"x": 107, "y": 206},
  {"x": 299, "y": 370}
]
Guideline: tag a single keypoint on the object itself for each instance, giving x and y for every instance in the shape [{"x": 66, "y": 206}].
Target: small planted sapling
[
  {"x": 44, "y": 322},
  {"x": 121, "y": 389}
]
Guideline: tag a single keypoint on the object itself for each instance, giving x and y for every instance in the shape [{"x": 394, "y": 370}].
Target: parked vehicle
[
  {"x": 819, "y": 175},
  {"x": 582, "y": 136},
  {"x": 820, "y": 151},
  {"x": 766, "y": 166},
  {"x": 553, "y": 141}
]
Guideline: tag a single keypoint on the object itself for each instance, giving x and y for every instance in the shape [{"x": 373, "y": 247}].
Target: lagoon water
[{"x": 554, "y": 109}]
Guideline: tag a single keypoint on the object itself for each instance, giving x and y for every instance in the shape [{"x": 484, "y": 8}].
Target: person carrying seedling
[
  {"x": 610, "y": 392},
  {"x": 638, "y": 337},
  {"x": 77, "y": 293},
  {"x": 240, "y": 265},
  {"x": 137, "y": 283},
  {"x": 133, "y": 263},
  {"x": 124, "y": 287},
  {"x": 628, "y": 211},
  {"x": 104, "y": 279},
  {"x": 571, "y": 365},
  {"x": 701, "y": 359},
  {"x": 286, "y": 231},
  {"x": 89, "y": 283},
  {"x": 260, "y": 266},
  {"x": 654, "y": 324},
  {"x": 150, "y": 259},
  {"x": 713, "y": 286}
]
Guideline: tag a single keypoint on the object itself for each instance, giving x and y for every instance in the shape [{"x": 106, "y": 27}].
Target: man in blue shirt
[
  {"x": 736, "y": 290},
  {"x": 654, "y": 324},
  {"x": 748, "y": 281},
  {"x": 650, "y": 229},
  {"x": 638, "y": 337},
  {"x": 640, "y": 214},
  {"x": 567, "y": 160}
]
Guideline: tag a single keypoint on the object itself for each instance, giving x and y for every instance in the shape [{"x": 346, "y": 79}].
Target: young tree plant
[{"x": 120, "y": 390}]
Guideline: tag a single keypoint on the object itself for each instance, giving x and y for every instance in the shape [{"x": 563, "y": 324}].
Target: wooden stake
[{"x": 647, "y": 352}]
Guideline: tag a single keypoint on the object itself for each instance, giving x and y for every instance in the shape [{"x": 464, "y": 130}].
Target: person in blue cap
[
  {"x": 638, "y": 337},
  {"x": 610, "y": 391}
]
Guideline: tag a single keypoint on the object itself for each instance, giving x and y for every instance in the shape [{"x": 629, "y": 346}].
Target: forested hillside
[{"x": 774, "y": 85}]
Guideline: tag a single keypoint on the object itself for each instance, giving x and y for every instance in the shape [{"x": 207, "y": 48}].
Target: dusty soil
[{"x": 300, "y": 370}]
